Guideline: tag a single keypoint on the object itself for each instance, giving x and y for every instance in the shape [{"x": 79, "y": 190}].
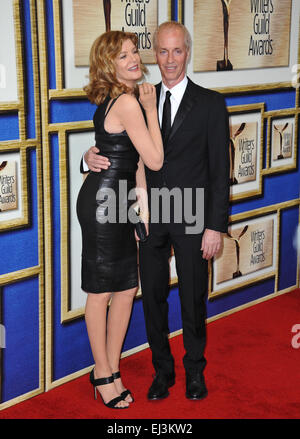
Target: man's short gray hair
[{"x": 173, "y": 25}]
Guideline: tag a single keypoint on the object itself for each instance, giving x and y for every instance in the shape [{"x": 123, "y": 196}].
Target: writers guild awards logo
[
  {"x": 8, "y": 189},
  {"x": 237, "y": 273},
  {"x": 296, "y": 338},
  {"x": 232, "y": 146},
  {"x": 280, "y": 131},
  {"x": 225, "y": 64},
  {"x": 107, "y": 14}
]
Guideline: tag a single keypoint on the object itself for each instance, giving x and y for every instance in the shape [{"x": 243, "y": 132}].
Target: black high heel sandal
[
  {"x": 126, "y": 392},
  {"x": 99, "y": 382}
]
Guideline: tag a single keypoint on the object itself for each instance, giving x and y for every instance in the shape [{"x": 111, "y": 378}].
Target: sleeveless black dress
[{"x": 109, "y": 249}]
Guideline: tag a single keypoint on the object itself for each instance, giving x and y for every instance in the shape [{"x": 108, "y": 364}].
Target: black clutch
[{"x": 141, "y": 230}]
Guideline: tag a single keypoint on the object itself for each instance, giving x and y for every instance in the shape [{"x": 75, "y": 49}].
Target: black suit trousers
[{"x": 192, "y": 272}]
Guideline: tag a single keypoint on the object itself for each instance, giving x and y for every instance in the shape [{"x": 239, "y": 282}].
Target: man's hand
[
  {"x": 94, "y": 161},
  {"x": 211, "y": 243}
]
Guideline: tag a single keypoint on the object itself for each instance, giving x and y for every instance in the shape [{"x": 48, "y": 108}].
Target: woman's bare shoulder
[{"x": 128, "y": 102}]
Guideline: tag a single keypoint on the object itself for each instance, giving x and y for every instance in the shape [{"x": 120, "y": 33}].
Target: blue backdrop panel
[
  {"x": 20, "y": 312},
  {"x": 288, "y": 254},
  {"x": 273, "y": 100},
  {"x": 276, "y": 189},
  {"x": 240, "y": 297},
  {"x": 71, "y": 111},
  {"x": 9, "y": 129}
]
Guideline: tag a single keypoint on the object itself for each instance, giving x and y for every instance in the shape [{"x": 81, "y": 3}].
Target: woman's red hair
[{"x": 103, "y": 80}]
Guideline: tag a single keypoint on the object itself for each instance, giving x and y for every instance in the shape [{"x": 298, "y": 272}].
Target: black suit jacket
[{"x": 197, "y": 155}]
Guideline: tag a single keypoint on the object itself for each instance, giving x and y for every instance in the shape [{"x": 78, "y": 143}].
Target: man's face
[{"x": 171, "y": 56}]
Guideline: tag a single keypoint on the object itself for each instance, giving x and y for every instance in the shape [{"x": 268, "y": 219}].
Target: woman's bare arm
[
  {"x": 127, "y": 114},
  {"x": 141, "y": 191}
]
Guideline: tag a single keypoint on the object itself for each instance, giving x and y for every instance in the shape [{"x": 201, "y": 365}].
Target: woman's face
[{"x": 128, "y": 64}]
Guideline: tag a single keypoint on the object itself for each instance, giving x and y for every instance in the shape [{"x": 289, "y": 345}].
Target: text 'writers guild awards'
[
  {"x": 232, "y": 146},
  {"x": 280, "y": 132},
  {"x": 225, "y": 64},
  {"x": 237, "y": 273},
  {"x": 8, "y": 186}
]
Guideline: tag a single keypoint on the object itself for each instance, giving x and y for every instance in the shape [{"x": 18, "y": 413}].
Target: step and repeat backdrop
[{"x": 246, "y": 49}]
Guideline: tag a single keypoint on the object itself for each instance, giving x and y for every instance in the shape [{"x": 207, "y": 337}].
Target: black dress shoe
[
  {"x": 195, "y": 386},
  {"x": 159, "y": 387}
]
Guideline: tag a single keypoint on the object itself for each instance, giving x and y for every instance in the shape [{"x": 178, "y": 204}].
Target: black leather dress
[{"x": 109, "y": 250}]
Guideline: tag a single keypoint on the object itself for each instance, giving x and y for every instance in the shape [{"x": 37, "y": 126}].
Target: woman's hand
[
  {"x": 147, "y": 231},
  {"x": 147, "y": 96}
]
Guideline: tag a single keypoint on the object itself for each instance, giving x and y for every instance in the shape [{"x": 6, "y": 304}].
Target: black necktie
[{"x": 166, "y": 118}]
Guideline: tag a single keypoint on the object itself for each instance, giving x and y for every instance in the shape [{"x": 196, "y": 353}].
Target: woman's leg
[
  {"x": 117, "y": 323},
  {"x": 95, "y": 317}
]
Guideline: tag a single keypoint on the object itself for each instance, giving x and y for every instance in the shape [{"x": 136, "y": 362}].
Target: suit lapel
[
  {"x": 188, "y": 100},
  {"x": 158, "y": 87}
]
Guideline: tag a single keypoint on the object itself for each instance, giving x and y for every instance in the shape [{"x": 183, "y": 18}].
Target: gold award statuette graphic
[
  {"x": 107, "y": 14},
  {"x": 247, "y": 249},
  {"x": 236, "y": 240},
  {"x": 225, "y": 64},
  {"x": 248, "y": 34},
  {"x": 8, "y": 186},
  {"x": 243, "y": 152},
  {"x": 94, "y": 17},
  {"x": 282, "y": 141},
  {"x": 232, "y": 146}
]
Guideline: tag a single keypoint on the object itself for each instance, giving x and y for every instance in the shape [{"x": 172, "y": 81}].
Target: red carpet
[{"x": 252, "y": 372}]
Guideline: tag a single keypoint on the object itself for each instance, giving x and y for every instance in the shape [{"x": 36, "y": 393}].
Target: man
[{"x": 195, "y": 132}]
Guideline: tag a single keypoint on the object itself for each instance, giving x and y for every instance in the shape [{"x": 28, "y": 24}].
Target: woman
[{"x": 109, "y": 255}]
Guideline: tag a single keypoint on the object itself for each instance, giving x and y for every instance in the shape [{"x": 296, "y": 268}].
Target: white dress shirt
[{"x": 177, "y": 93}]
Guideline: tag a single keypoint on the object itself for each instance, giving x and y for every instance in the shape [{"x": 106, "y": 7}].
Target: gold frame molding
[
  {"x": 244, "y": 89},
  {"x": 246, "y": 109},
  {"x": 23, "y": 145},
  {"x": 18, "y": 145},
  {"x": 66, "y": 313},
  {"x": 281, "y": 115},
  {"x": 257, "y": 213},
  {"x": 63, "y": 129}
]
